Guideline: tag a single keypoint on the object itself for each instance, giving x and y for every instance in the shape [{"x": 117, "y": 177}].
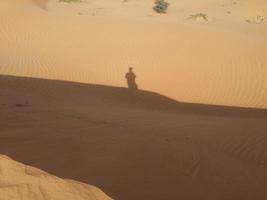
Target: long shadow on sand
[
  {"x": 134, "y": 145},
  {"x": 116, "y": 96}
]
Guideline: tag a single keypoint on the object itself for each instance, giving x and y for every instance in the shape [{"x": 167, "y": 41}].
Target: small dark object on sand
[{"x": 22, "y": 104}]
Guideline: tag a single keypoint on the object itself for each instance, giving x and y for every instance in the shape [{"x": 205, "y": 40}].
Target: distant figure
[{"x": 130, "y": 76}]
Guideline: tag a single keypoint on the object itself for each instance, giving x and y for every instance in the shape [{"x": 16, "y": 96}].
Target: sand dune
[
  {"x": 201, "y": 133},
  {"x": 220, "y": 61},
  {"x": 134, "y": 145},
  {"x": 18, "y": 182}
]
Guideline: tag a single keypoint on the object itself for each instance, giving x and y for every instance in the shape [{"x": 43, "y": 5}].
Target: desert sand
[
  {"x": 19, "y": 182},
  {"x": 195, "y": 131},
  {"x": 219, "y": 61},
  {"x": 134, "y": 145}
]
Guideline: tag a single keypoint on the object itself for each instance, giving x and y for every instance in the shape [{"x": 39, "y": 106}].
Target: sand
[
  {"x": 134, "y": 145},
  {"x": 195, "y": 131},
  {"x": 19, "y": 182},
  {"x": 221, "y": 61}
]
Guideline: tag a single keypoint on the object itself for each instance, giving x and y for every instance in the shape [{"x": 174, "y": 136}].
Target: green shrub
[{"x": 161, "y": 6}]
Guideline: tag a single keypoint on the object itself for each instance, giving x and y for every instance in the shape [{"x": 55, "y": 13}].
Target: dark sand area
[{"x": 134, "y": 145}]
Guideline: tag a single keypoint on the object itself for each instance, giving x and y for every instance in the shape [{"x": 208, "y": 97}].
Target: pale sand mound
[
  {"x": 219, "y": 61},
  {"x": 20, "y": 182}
]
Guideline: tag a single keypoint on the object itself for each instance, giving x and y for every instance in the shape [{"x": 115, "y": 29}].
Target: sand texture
[
  {"x": 22, "y": 182},
  {"x": 196, "y": 129},
  {"x": 134, "y": 145},
  {"x": 221, "y": 60}
]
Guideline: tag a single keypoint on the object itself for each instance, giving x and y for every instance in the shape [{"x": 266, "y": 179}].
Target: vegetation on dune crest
[
  {"x": 161, "y": 6},
  {"x": 258, "y": 19},
  {"x": 199, "y": 16}
]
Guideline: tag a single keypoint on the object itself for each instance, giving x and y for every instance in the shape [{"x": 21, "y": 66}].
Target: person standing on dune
[{"x": 130, "y": 76}]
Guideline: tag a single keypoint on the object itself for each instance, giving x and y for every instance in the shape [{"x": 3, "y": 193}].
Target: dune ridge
[{"x": 119, "y": 97}]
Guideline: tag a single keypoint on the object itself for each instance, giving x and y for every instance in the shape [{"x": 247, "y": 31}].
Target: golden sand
[{"x": 219, "y": 61}]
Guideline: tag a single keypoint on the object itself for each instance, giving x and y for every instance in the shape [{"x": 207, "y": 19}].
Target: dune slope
[
  {"x": 19, "y": 182},
  {"x": 134, "y": 145},
  {"x": 219, "y": 61}
]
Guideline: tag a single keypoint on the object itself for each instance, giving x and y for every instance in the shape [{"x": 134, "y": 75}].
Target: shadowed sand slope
[
  {"x": 137, "y": 145},
  {"x": 221, "y": 61},
  {"x": 19, "y": 182}
]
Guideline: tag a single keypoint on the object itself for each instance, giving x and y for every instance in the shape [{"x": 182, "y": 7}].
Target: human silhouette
[{"x": 130, "y": 76}]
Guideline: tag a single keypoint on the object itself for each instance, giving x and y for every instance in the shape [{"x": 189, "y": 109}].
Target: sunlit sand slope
[
  {"x": 221, "y": 60},
  {"x": 20, "y": 182}
]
